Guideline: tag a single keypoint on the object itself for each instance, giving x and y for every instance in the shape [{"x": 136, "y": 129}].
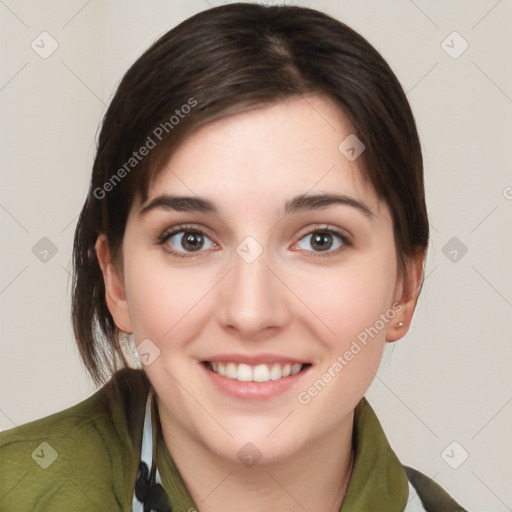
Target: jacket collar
[{"x": 378, "y": 480}]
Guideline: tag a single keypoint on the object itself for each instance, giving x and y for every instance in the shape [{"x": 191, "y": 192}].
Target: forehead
[{"x": 268, "y": 153}]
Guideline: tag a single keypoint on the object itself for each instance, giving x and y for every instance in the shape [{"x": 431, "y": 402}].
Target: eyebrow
[{"x": 299, "y": 203}]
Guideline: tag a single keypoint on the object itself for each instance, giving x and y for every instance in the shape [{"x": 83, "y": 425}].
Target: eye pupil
[
  {"x": 192, "y": 241},
  {"x": 322, "y": 241}
]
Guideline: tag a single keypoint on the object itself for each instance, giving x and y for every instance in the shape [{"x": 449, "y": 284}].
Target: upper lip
[{"x": 254, "y": 359}]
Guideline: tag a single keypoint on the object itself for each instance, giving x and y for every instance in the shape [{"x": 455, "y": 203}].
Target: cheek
[
  {"x": 354, "y": 307},
  {"x": 357, "y": 309},
  {"x": 166, "y": 304},
  {"x": 350, "y": 300}
]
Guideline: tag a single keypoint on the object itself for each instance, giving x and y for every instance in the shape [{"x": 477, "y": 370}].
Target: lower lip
[{"x": 255, "y": 391}]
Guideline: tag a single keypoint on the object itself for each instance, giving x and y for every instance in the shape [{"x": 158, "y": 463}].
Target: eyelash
[
  {"x": 166, "y": 235},
  {"x": 346, "y": 242}
]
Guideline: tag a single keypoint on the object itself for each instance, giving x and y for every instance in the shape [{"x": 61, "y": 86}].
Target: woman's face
[{"x": 261, "y": 251}]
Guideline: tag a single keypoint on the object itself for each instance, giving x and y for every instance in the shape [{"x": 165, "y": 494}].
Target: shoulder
[
  {"x": 72, "y": 458},
  {"x": 433, "y": 497}
]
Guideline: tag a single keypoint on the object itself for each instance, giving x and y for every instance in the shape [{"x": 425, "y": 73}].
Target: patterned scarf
[{"x": 149, "y": 494}]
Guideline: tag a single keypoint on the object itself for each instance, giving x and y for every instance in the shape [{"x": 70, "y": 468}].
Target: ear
[
  {"x": 406, "y": 294},
  {"x": 114, "y": 286}
]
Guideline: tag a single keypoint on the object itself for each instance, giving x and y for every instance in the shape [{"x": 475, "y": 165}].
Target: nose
[{"x": 253, "y": 301}]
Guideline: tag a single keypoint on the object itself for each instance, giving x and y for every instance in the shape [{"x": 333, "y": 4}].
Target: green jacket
[{"x": 86, "y": 458}]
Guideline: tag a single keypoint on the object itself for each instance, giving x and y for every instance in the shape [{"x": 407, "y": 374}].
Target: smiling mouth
[{"x": 257, "y": 373}]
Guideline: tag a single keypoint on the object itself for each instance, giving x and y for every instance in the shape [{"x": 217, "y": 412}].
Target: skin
[{"x": 289, "y": 301}]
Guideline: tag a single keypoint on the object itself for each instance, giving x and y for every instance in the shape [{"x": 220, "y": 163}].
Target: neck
[{"x": 314, "y": 478}]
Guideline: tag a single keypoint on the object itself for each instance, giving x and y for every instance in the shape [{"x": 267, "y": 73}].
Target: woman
[{"x": 256, "y": 223}]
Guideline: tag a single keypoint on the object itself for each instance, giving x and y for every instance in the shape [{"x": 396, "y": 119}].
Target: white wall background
[{"x": 449, "y": 379}]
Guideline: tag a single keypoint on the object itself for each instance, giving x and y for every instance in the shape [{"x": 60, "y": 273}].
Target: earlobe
[
  {"x": 115, "y": 295},
  {"x": 408, "y": 289}
]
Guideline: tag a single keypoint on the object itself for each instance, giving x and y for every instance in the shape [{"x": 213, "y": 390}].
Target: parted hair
[{"x": 222, "y": 61}]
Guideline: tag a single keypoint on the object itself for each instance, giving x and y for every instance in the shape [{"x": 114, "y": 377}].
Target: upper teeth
[{"x": 260, "y": 373}]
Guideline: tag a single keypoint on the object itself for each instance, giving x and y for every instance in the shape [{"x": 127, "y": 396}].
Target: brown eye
[
  {"x": 185, "y": 241},
  {"x": 192, "y": 241},
  {"x": 323, "y": 241}
]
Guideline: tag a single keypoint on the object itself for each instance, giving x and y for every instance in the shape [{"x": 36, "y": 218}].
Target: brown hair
[{"x": 225, "y": 60}]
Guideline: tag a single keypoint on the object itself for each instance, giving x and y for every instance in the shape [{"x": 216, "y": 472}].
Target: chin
[{"x": 255, "y": 446}]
